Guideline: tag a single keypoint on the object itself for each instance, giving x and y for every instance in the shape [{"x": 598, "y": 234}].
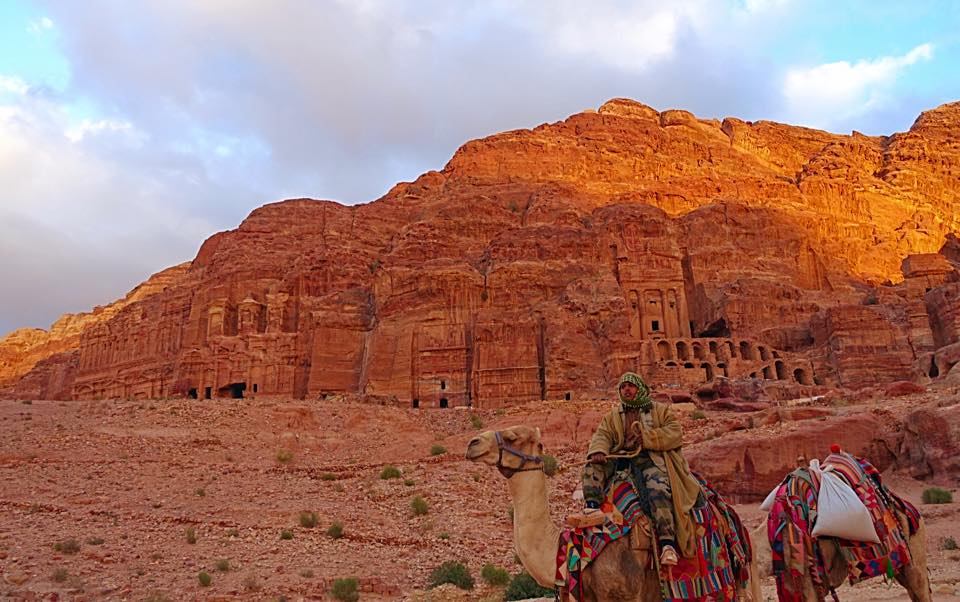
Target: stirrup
[{"x": 668, "y": 557}]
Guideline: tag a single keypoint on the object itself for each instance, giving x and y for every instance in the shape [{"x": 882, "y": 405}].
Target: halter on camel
[{"x": 507, "y": 471}]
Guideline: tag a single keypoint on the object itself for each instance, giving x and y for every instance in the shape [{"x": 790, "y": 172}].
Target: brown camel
[
  {"x": 913, "y": 577},
  {"x": 620, "y": 573}
]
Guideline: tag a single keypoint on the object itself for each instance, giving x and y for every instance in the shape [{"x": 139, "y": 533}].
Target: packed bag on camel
[
  {"x": 840, "y": 513},
  {"x": 768, "y": 501}
]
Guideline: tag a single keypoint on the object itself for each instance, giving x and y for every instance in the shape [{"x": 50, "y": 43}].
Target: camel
[
  {"x": 913, "y": 577},
  {"x": 620, "y": 573}
]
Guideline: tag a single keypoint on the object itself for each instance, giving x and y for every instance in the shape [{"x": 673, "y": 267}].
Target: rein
[{"x": 507, "y": 471}]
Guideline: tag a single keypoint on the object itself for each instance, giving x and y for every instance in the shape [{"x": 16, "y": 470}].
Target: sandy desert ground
[{"x": 125, "y": 480}]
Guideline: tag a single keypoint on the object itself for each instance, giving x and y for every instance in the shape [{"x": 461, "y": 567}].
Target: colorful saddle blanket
[
  {"x": 794, "y": 513},
  {"x": 723, "y": 548}
]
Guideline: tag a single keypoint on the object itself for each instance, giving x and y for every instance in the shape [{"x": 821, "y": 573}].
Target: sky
[{"x": 132, "y": 131}]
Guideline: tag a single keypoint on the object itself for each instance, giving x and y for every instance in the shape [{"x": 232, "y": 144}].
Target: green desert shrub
[
  {"x": 286, "y": 534},
  {"x": 308, "y": 519},
  {"x": 223, "y": 565},
  {"x": 523, "y": 586},
  {"x": 345, "y": 590},
  {"x": 284, "y": 456},
  {"x": 335, "y": 530},
  {"x": 191, "y": 534},
  {"x": 451, "y": 572},
  {"x": 549, "y": 465},
  {"x": 67, "y": 546},
  {"x": 476, "y": 421},
  {"x": 494, "y": 575},
  {"x": 419, "y": 506},
  {"x": 437, "y": 450},
  {"x": 390, "y": 472},
  {"x": 698, "y": 415},
  {"x": 936, "y": 495},
  {"x": 948, "y": 543},
  {"x": 204, "y": 578}
]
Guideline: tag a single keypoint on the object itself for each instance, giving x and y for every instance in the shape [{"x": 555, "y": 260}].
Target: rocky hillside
[{"x": 538, "y": 264}]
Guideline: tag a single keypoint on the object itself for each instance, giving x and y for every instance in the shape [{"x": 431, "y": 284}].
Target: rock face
[
  {"x": 542, "y": 263},
  {"x": 745, "y": 466},
  {"x": 22, "y": 349},
  {"x": 931, "y": 447}
]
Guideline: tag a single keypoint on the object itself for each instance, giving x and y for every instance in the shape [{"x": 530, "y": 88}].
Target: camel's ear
[
  {"x": 509, "y": 435},
  {"x": 538, "y": 434}
]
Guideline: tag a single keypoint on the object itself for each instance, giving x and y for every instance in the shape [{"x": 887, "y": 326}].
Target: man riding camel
[{"x": 650, "y": 436}]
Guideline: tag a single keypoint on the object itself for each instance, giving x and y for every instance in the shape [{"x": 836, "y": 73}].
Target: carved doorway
[{"x": 233, "y": 390}]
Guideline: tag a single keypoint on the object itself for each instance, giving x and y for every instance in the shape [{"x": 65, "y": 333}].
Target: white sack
[
  {"x": 767, "y": 504},
  {"x": 840, "y": 513}
]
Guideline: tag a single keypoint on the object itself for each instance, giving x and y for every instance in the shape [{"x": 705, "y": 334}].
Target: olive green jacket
[{"x": 663, "y": 442}]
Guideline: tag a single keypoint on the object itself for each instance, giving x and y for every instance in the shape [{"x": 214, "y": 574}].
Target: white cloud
[
  {"x": 38, "y": 27},
  {"x": 625, "y": 36},
  {"x": 755, "y": 6},
  {"x": 13, "y": 84},
  {"x": 78, "y": 132},
  {"x": 827, "y": 94},
  {"x": 88, "y": 212}
]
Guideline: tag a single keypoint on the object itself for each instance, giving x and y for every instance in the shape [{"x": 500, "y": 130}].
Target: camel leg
[
  {"x": 809, "y": 592},
  {"x": 761, "y": 566},
  {"x": 914, "y": 577},
  {"x": 751, "y": 592}
]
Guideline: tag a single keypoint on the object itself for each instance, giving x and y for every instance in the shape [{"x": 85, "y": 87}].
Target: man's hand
[
  {"x": 634, "y": 438},
  {"x": 598, "y": 457}
]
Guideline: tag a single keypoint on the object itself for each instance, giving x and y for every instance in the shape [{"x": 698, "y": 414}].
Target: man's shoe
[{"x": 668, "y": 557}]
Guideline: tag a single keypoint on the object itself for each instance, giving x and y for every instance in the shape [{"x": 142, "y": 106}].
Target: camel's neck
[{"x": 534, "y": 534}]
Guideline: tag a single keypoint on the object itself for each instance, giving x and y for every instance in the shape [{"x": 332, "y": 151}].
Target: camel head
[{"x": 515, "y": 449}]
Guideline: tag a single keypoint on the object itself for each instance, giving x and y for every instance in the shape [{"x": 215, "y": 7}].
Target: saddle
[{"x": 721, "y": 562}]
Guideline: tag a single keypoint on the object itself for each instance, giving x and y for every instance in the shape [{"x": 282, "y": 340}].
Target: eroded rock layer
[{"x": 541, "y": 263}]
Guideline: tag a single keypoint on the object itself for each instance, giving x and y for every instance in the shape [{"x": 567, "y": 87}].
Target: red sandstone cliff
[
  {"x": 21, "y": 350},
  {"x": 540, "y": 263}
]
